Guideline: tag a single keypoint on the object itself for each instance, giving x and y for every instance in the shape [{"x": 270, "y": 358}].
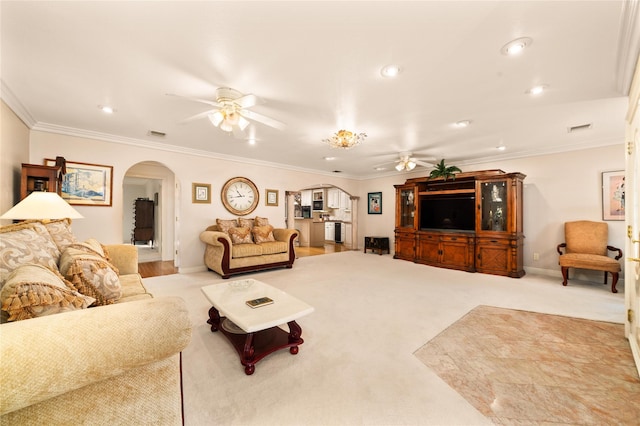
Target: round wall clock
[{"x": 240, "y": 196}]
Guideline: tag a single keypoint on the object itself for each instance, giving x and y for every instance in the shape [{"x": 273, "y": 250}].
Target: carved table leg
[
  {"x": 247, "y": 355},
  {"x": 214, "y": 319},
  {"x": 295, "y": 331}
]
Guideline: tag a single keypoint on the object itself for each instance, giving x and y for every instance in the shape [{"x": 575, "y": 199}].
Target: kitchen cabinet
[
  {"x": 306, "y": 197},
  {"x": 329, "y": 231},
  {"x": 333, "y": 195},
  {"x": 311, "y": 233},
  {"x": 348, "y": 242},
  {"x": 345, "y": 201}
]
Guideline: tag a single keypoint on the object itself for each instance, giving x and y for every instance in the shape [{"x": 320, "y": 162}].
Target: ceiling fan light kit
[{"x": 345, "y": 139}]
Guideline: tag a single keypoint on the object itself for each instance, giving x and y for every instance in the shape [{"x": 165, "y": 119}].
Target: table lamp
[{"x": 42, "y": 205}]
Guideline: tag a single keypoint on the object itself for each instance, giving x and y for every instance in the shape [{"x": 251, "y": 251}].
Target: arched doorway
[
  {"x": 348, "y": 217},
  {"x": 155, "y": 183}
]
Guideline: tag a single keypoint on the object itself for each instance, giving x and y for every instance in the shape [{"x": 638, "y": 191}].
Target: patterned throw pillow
[
  {"x": 262, "y": 234},
  {"x": 240, "y": 235},
  {"x": 261, "y": 221},
  {"x": 26, "y": 242},
  {"x": 245, "y": 223},
  {"x": 224, "y": 225},
  {"x": 33, "y": 291},
  {"x": 91, "y": 275},
  {"x": 60, "y": 231},
  {"x": 91, "y": 246}
]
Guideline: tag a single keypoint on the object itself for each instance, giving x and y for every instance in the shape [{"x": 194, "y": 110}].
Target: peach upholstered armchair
[{"x": 585, "y": 247}]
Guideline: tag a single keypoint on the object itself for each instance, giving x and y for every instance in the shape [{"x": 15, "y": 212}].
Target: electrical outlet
[{"x": 536, "y": 256}]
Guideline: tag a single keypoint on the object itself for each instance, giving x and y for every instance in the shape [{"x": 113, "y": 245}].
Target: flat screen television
[{"x": 451, "y": 212}]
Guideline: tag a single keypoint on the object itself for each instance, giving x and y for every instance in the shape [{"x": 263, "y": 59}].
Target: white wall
[
  {"x": 14, "y": 150},
  {"x": 106, "y": 223},
  {"x": 558, "y": 188}
]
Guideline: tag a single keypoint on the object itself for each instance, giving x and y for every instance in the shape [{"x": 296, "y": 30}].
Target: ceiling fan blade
[
  {"x": 247, "y": 101},
  {"x": 197, "y": 116},
  {"x": 422, "y": 163},
  {"x": 204, "y": 101},
  {"x": 263, "y": 119}
]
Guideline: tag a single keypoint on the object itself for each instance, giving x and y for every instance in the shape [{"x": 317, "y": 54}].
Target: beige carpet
[
  {"x": 520, "y": 367},
  {"x": 357, "y": 365}
]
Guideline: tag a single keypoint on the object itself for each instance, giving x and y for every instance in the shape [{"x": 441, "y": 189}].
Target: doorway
[{"x": 152, "y": 185}]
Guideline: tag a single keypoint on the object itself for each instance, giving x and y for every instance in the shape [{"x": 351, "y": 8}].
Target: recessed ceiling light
[
  {"x": 379, "y": 169},
  {"x": 537, "y": 90},
  {"x": 516, "y": 46},
  {"x": 390, "y": 71},
  {"x": 106, "y": 109},
  {"x": 329, "y": 158},
  {"x": 501, "y": 148},
  {"x": 463, "y": 123}
]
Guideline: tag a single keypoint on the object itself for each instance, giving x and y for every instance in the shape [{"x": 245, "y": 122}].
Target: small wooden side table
[{"x": 377, "y": 243}]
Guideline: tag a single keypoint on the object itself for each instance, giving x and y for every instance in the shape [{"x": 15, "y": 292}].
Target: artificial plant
[{"x": 444, "y": 171}]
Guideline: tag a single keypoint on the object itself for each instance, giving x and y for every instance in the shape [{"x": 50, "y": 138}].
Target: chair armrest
[
  {"x": 611, "y": 248},
  {"x": 211, "y": 238},
  {"x": 563, "y": 245},
  {"x": 124, "y": 257},
  {"x": 49, "y": 356},
  {"x": 284, "y": 234}
]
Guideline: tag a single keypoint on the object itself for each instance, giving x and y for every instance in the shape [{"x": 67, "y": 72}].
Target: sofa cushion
[
  {"x": 260, "y": 221},
  {"x": 132, "y": 288},
  {"x": 32, "y": 291},
  {"x": 274, "y": 247},
  {"x": 225, "y": 224},
  {"x": 60, "y": 231},
  {"x": 27, "y": 242},
  {"x": 263, "y": 234},
  {"x": 240, "y": 235},
  {"x": 91, "y": 275},
  {"x": 245, "y": 250},
  {"x": 246, "y": 223}
]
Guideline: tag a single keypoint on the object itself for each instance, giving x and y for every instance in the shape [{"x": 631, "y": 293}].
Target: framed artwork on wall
[
  {"x": 201, "y": 193},
  {"x": 271, "y": 197},
  {"x": 86, "y": 184},
  {"x": 613, "y": 196},
  {"x": 374, "y": 202}
]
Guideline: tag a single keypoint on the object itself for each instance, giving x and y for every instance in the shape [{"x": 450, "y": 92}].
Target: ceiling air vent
[
  {"x": 156, "y": 133},
  {"x": 579, "y": 127}
]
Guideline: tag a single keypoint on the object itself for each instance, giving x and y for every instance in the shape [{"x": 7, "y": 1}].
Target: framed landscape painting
[
  {"x": 613, "y": 195},
  {"x": 86, "y": 184}
]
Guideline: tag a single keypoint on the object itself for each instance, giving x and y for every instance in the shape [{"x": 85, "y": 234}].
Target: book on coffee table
[{"x": 261, "y": 301}]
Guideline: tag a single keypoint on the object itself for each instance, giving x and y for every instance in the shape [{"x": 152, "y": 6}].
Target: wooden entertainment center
[{"x": 471, "y": 223}]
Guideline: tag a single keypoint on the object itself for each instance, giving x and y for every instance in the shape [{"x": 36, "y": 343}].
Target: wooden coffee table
[{"x": 254, "y": 332}]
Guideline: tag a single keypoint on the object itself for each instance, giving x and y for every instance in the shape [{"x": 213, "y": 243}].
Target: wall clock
[{"x": 240, "y": 196}]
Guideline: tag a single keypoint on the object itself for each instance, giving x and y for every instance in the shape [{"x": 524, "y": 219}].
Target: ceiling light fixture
[
  {"x": 345, "y": 139},
  {"x": 537, "y": 90},
  {"x": 329, "y": 158},
  {"x": 501, "y": 147},
  {"x": 463, "y": 123},
  {"x": 390, "y": 71},
  {"x": 516, "y": 46},
  {"x": 106, "y": 109},
  {"x": 227, "y": 117},
  {"x": 406, "y": 163}
]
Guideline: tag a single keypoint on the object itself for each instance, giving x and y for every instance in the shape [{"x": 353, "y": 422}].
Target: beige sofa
[
  {"x": 227, "y": 258},
  {"x": 118, "y": 363}
]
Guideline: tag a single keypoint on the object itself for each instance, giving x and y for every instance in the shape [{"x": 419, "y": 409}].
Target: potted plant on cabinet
[{"x": 444, "y": 171}]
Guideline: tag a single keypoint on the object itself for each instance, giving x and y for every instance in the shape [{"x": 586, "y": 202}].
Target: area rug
[{"x": 528, "y": 368}]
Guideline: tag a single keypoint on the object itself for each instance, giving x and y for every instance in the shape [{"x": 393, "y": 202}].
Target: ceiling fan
[
  {"x": 408, "y": 163},
  {"x": 231, "y": 113}
]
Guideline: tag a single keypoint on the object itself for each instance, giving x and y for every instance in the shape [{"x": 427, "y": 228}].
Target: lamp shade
[{"x": 42, "y": 205}]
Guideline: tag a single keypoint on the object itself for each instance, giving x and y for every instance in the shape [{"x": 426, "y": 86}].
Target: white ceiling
[{"x": 316, "y": 66}]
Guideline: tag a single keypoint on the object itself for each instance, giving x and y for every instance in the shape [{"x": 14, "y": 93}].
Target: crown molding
[
  {"x": 16, "y": 106},
  {"x": 140, "y": 143}
]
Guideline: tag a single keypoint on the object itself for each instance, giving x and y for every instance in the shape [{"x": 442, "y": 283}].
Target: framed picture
[
  {"x": 86, "y": 184},
  {"x": 374, "y": 202},
  {"x": 613, "y": 195},
  {"x": 201, "y": 193},
  {"x": 271, "y": 197}
]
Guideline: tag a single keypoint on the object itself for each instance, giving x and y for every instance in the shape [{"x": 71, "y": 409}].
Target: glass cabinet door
[
  {"x": 407, "y": 208},
  {"x": 494, "y": 206}
]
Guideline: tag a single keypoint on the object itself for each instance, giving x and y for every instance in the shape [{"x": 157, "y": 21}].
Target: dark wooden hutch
[{"x": 471, "y": 223}]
